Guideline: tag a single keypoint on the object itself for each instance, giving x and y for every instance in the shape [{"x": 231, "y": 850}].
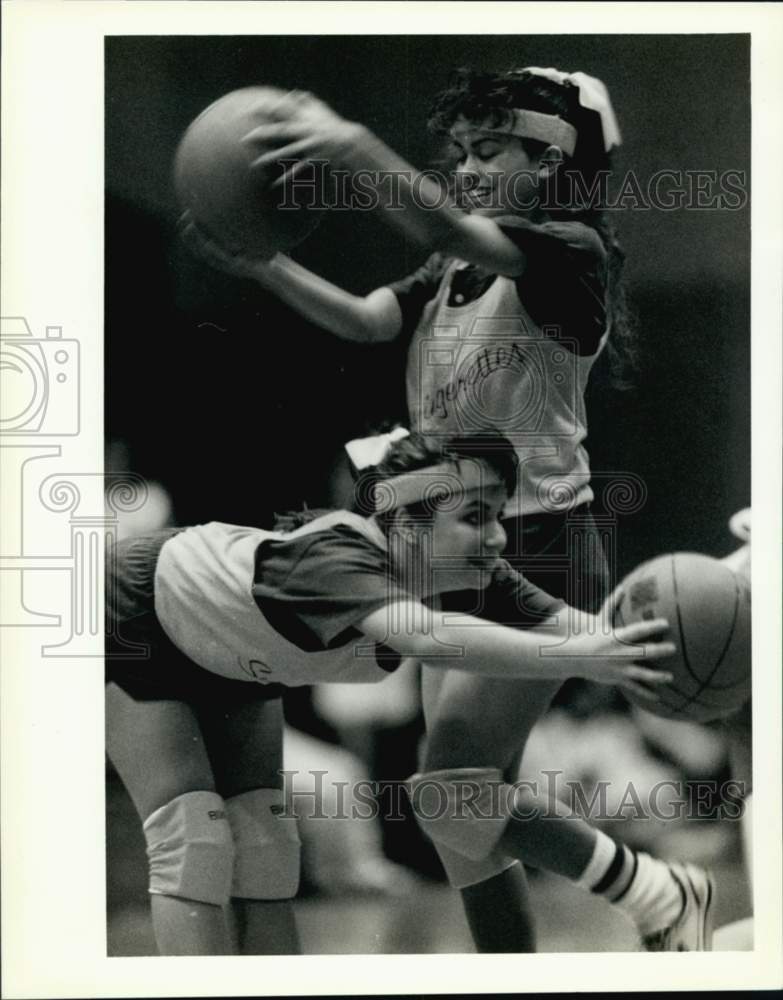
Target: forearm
[
  {"x": 409, "y": 200},
  {"x": 417, "y": 205},
  {"x": 482, "y": 647},
  {"x": 463, "y": 642},
  {"x": 352, "y": 317},
  {"x": 502, "y": 653},
  {"x": 568, "y": 622}
]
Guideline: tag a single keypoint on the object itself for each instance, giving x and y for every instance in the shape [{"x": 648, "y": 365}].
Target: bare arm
[
  {"x": 372, "y": 318},
  {"x": 309, "y": 129},
  {"x": 482, "y": 647}
]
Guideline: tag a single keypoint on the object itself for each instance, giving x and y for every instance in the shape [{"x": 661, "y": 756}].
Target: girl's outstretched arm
[
  {"x": 465, "y": 642},
  {"x": 373, "y": 318},
  {"x": 308, "y": 129}
]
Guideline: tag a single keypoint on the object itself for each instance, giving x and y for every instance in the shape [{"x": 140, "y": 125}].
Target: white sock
[
  {"x": 642, "y": 886},
  {"x": 604, "y": 857},
  {"x": 653, "y": 898}
]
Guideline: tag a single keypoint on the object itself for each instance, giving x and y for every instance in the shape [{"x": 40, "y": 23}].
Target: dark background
[{"x": 239, "y": 407}]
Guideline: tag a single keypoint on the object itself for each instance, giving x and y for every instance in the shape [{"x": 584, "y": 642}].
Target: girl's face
[
  {"x": 460, "y": 546},
  {"x": 495, "y": 175}
]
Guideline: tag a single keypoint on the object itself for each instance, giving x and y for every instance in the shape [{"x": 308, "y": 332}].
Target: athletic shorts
[{"x": 140, "y": 657}]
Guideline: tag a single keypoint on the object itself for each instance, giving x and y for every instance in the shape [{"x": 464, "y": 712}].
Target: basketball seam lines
[
  {"x": 709, "y": 677},
  {"x": 683, "y": 650}
]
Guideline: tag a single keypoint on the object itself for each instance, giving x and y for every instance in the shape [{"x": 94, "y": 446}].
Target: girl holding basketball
[
  {"x": 504, "y": 322},
  {"x": 221, "y": 618}
]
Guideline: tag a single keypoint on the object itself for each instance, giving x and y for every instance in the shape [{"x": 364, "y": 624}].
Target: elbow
[
  {"x": 442, "y": 646},
  {"x": 359, "y": 325},
  {"x": 360, "y": 331},
  {"x": 415, "y": 645},
  {"x": 378, "y": 317},
  {"x": 424, "y": 647},
  {"x": 382, "y": 333},
  {"x": 367, "y": 330}
]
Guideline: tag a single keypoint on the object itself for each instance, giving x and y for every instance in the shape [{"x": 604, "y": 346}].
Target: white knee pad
[
  {"x": 268, "y": 849},
  {"x": 190, "y": 848},
  {"x": 464, "y": 812}
]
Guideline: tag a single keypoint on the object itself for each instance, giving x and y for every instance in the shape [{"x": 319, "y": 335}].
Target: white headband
[
  {"x": 413, "y": 487},
  {"x": 545, "y": 128},
  {"x": 592, "y": 94},
  {"x": 452, "y": 477},
  {"x": 408, "y": 487}
]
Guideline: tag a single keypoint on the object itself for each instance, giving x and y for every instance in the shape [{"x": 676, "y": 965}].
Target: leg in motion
[
  {"x": 474, "y": 721},
  {"x": 477, "y": 731}
]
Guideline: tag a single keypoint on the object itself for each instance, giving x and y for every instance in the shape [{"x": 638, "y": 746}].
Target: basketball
[
  {"x": 708, "y": 610},
  {"x": 230, "y": 201}
]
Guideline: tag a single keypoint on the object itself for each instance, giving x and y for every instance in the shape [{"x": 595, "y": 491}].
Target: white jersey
[
  {"x": 485, "y": 365},
  {"x": 207, "y": 602},
  {"x": 513, "y": 354}
]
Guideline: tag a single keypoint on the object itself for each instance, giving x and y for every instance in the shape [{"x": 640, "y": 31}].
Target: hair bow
[
  {"x": 369, "y": 451},
  {"x": 592, "y": 94}
]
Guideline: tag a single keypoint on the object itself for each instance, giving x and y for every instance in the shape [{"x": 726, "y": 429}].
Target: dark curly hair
[
  {"x": 418, "y": 451},
  {"x": 574, "y": 192}
]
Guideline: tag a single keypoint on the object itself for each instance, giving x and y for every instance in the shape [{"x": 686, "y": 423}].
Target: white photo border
[{"x": 53, "y": 835}]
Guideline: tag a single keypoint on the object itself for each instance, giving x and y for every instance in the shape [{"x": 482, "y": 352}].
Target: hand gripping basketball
[
  {"x": 598, "y": 652},
  {"x": 708, "y": 607},
  {"x": 231, "y": 198},
  {"x": 305, "y": 129},
  {"x": 200, "y": 245}
]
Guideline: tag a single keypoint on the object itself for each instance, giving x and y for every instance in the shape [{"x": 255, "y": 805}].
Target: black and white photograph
[{"x": 390, "y": 402}]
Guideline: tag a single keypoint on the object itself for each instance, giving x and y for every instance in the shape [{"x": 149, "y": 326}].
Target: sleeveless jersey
[{"x": 485, "y": 365}]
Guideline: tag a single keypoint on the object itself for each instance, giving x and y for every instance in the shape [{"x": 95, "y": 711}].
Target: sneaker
[{"x": 692, "y": 930}]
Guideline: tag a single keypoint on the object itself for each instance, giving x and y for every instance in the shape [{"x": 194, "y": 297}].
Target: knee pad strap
[
  {"x": 462, "y": 872},
  {"x": 268, "y": 848},
  {"x": 190, "y": 849}
]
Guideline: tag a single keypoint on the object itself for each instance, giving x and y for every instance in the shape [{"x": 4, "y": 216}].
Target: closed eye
[
  {"x": 487, "y": 148},
  {"x": 482, "y": 149},
  {"x": 482, "y": 516}
]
